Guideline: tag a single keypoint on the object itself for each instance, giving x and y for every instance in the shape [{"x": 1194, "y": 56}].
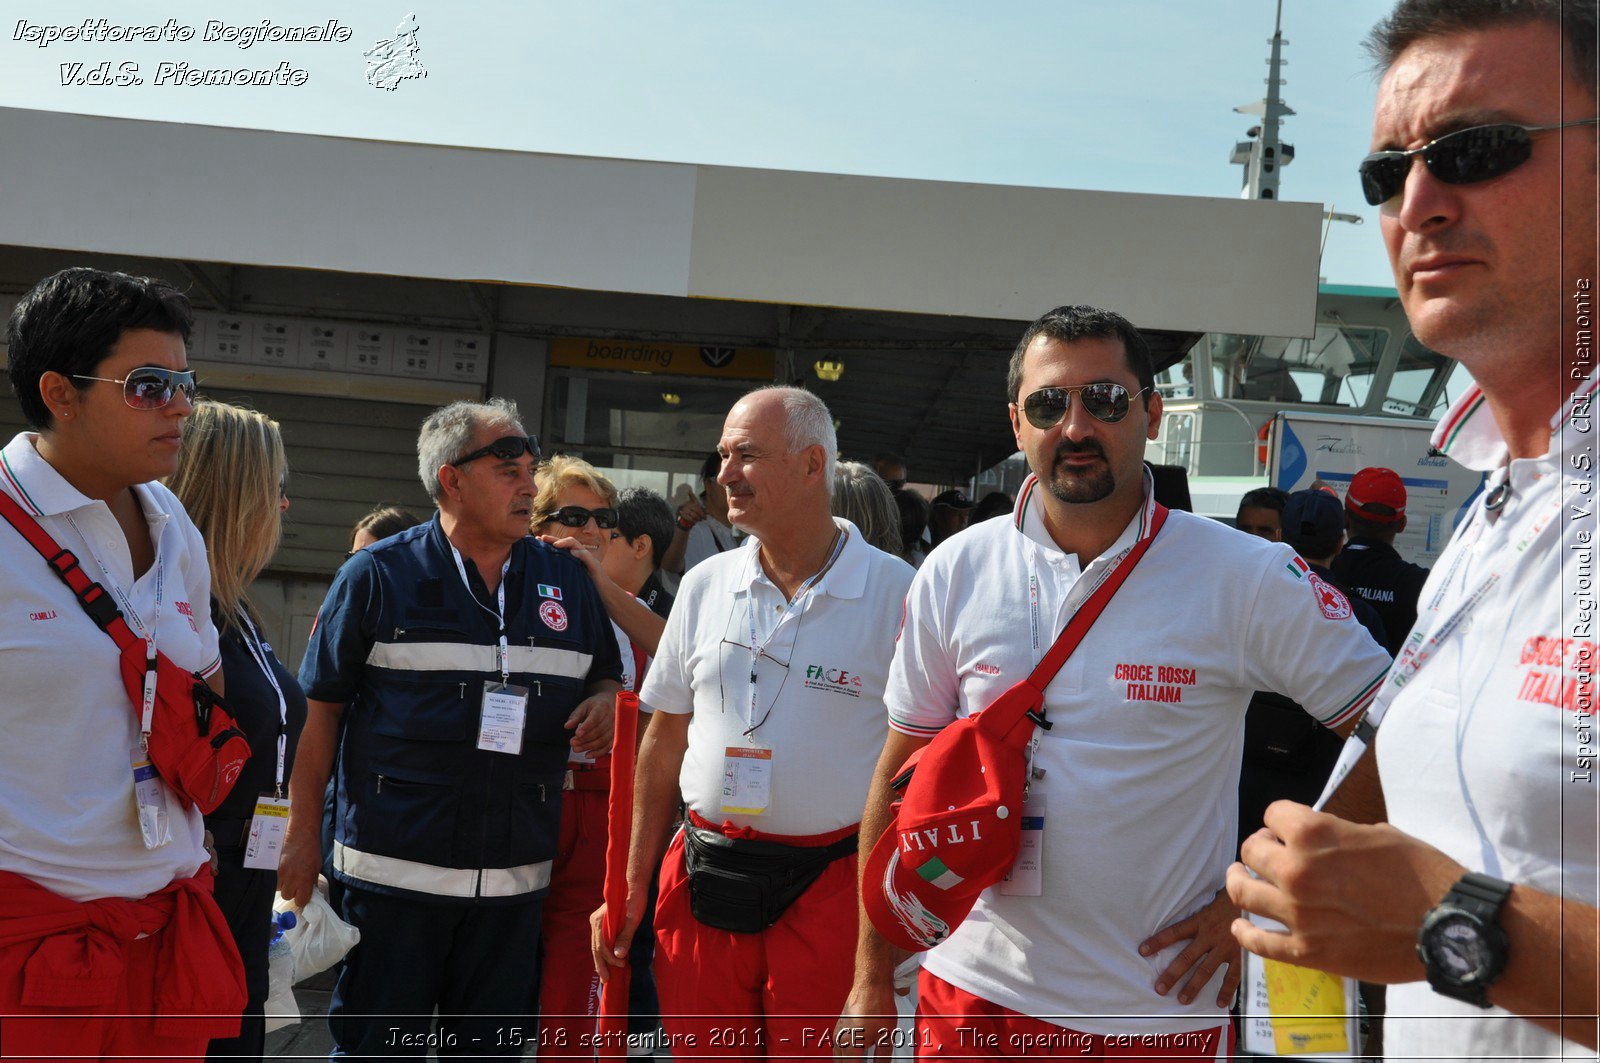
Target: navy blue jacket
[{"x": 403, "y": 643}]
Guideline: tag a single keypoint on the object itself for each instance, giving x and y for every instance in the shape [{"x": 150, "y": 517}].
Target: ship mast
[{"x": 1264, "y": 154}]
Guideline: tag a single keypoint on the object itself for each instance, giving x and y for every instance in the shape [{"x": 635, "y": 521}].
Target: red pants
[
  {"x": 569, "y": 991},
  {"x": 747, "y": 996},
  {"x": 952, "y": 1023}
]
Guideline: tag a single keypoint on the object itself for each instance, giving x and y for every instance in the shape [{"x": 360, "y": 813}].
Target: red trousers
[
  {"x": 748, "y": 996},
  {"x": 77, "y": 980},
  {"x": 569, "y": 991},
  {"x": 952, "y": 1023}
]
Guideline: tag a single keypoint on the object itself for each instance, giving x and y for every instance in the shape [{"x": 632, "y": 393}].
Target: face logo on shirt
[
  {"x": 833, "y": 680},
  {"x": 187, "y": 611},
  {"x": 554, "y": 617},
  {"x": 1333, "y": 603}
]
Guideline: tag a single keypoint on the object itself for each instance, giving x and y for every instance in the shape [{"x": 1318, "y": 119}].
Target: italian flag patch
[
  {"x": 547, "y": 591},
  {"x": 939, "y": 875},
  {"x": 1299, "y": 568}
]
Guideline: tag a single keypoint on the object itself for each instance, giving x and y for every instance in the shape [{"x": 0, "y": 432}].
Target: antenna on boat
[{"x": 1264, "y": 154}]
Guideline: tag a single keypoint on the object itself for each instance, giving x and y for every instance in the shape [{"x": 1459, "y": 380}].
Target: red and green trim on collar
[{"x": 21, "y": 492}]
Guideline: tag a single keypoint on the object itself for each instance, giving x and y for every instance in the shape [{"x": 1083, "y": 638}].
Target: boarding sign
[{"x": 677, "y": 359}]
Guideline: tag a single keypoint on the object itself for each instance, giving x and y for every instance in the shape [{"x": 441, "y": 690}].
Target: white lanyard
[
  {"x": 258, "y": 650},
  {"x": 503, "y": 654},
  {"x": 149, "y": 631},
  {"x": 1418, "y": 650},
  {"x": 1078, "y": 594},
  {"x": 798, "y": 601}
]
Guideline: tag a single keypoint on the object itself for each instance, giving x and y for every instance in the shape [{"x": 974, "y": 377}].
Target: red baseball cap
[
  {"x": 958, "y": 829},
  {"x": 1376, "y": 486}
]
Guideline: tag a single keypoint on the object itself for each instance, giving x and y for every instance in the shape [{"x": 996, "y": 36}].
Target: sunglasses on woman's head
[
  {"x": 1460, "y": 158},
  {"x": 1104, "y": 400},
  {"x": 506, "y": 448},
  {"x": 577, "y": 517},
  {"x": 150, "y": 387}
]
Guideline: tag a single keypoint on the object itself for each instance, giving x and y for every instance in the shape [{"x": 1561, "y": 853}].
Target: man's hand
[
  {"x": 592, "y": 724},
  {"x": 298, "y": 867},
  {"x": 1211, "y": 945},
  {"x": 1353, "y": 897},
  {"x": 691, "y": 513},
  {"x": 614, "y": 953},
  {"x": 868, "y": 1021}
]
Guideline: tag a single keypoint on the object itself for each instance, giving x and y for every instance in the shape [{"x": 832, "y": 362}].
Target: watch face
[{"x": 1458, "y": 949}]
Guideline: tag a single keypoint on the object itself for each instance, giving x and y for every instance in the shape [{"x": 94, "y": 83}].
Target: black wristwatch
[{"x": 1461, "y": 943}]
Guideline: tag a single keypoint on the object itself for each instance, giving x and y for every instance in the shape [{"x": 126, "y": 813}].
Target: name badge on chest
[
  {"x": 1026, "y": 878},
  {"x": 265, "y": 844},
  {"x": 504, "y": 715},
  {"x": 150, "y": 802},
  {"x": 747, "y": 780}
]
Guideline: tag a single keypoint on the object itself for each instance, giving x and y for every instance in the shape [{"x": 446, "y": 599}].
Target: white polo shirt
[
  {"x": 707, "y": 539},
  {"x": 1488, "y": 753},
  {"x": 67, "y": 813},
  {"x": 1142, "y": 763},
  {"x": 819, "y": 686}
]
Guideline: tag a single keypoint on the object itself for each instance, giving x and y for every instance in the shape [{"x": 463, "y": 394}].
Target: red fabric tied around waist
[
  {"x": 751, "y": 834},
  {"x": 80, "y": 959}
]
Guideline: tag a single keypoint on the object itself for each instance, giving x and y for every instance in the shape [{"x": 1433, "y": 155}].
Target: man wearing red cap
[
  {"x": 1477, "y": 899},
  {"x": 1117, "y": 849},
  {"x": 1375, "y": 512},
  {"x": 767, "y": 713}
]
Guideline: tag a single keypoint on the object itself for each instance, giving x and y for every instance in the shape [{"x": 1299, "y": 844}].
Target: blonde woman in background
[
  {"x": 232, "y": 479},
  {"x": 861, "y": 497}
]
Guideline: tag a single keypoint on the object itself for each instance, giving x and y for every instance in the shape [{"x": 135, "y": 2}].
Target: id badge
[
  {"x": 150, "y": 802},
  {"x": 505, "y": 712},
  {"x": 1026, "y": 877},
  {"x": 266, "y": 833},
  {"x": 747, "y": 780}
]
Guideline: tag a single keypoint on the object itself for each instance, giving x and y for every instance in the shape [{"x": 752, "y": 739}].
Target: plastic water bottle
[{"x": 280, "y": 1008}]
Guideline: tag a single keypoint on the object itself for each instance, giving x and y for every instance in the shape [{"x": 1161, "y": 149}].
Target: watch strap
[{"x": 1481, "y": 895}]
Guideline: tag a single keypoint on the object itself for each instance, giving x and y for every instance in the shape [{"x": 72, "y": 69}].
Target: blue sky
[{"x": 1134, "y": 96}]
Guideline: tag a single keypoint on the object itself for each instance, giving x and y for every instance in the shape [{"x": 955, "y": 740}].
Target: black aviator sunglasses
[
  {"x": 1460, "y": 158},
  {"x": 577, "y": 517},
  {"x": 506, "y": 448},
  {"x": 1103, "y": 399}
]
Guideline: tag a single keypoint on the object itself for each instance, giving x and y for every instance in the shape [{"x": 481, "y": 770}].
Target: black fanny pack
[{"x": 744, "y": 885}]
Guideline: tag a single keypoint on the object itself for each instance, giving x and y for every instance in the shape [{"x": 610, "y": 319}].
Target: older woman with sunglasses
[
  {"x": 576, "y": 508},
  {"x": 233, "y": 480},
  {"x": 109, "y": 936}
]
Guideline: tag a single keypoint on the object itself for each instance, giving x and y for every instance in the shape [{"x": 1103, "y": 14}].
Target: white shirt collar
[
  {"x": 846, "y": 579},
  {"x": 1469, "y": 435},
  {"x": 1028, "y": 518}
]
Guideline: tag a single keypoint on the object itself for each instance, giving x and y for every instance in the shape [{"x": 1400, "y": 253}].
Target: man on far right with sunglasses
[
  {"x": 1111, "y": 934},
  {"x": 1478, "y": 894}
]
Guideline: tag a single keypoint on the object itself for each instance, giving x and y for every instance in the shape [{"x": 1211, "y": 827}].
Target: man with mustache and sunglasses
[
  {"x": 1127, "y": 825},
  {"x": 1476, "y": 898},
  {"x": 451, "y": 669}
]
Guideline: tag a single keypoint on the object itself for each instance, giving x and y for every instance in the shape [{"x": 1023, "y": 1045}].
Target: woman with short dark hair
[{"x": 106, "y": 912}]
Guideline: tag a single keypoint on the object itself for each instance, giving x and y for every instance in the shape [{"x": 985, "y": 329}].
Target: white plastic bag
[{"x": 320, "y": 939}]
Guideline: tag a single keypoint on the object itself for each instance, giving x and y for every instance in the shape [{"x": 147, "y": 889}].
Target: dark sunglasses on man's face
[
  {"x": 506, "y": 448},
  {"x": 150, "y": 387},
  {"x": 577, "y": 517},
  {"x": 1458, "y": 158},
  {"x": 1107, "y": 401}
]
